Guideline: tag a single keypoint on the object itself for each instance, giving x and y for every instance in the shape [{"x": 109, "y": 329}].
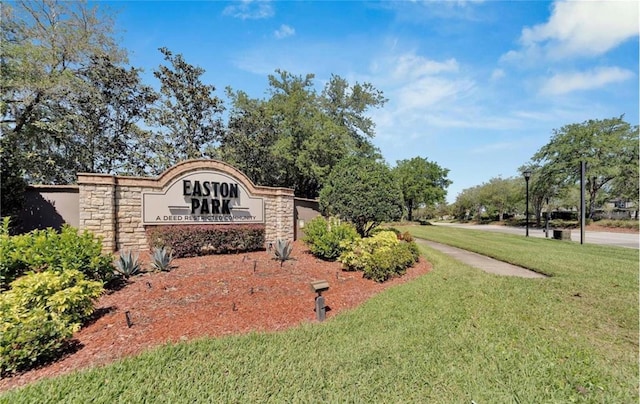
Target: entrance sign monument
[{"x": 193, "y": 192}]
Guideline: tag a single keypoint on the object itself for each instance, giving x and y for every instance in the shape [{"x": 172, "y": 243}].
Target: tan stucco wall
[
  {"x": 49, "y": 206},
  {"x": 111, "y": 206},
  {"x": 304, "y": 211}
]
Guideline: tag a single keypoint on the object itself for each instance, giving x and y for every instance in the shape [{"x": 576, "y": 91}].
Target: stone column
[
  {"x": 98, "y": 208},
  {"x": 285, "y": 217},
  {"x": 279, "y": 216}
]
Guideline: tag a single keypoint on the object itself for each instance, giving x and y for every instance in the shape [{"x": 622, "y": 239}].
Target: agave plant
[
  {"x": 128, "y": 264},
  {"x": 282, "y": 250},
  {"x": 161, "y": 259}
]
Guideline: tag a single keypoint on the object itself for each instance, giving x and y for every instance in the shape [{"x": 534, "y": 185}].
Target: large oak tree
[
  {"x": 45, "y": 47},
  {"x": 423, "y": 183},
  {"x": 187, "y": 117},
  {"x": 608, "y": 146},
  {"x": 296, "y": 136}
]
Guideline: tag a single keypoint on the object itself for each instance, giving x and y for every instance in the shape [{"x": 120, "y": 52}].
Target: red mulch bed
[{"x": 211, "y": 296}]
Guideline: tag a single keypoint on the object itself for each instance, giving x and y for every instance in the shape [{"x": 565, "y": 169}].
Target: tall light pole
[
  {"x": 527, "y": 175},
  {"x": 583, "y": 208}
]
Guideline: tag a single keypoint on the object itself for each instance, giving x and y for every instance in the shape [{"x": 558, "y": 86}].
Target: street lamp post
[
  {"x": 546, "y": 222},
  {"x": 527, "y": 175}
]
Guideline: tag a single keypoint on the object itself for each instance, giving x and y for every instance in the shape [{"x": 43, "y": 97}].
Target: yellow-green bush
[
  {"x": 358, "y": 254},
  {"x": 390, "y": 261},
  {"x": 380, "y": 257},
  {"x": 28, "y": 338},
  {"x": 49, "y": 250},
  {"x": 39, "y": 313}
]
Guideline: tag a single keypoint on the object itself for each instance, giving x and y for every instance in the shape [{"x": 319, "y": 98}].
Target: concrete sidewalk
[{"x": 482, "y": 262}]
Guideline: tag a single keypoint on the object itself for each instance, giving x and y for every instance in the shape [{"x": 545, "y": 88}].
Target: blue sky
[{"x": 476, "y": 86}]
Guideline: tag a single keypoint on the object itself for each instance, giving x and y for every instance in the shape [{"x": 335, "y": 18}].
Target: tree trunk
[
  {"x": 410, "y": 209},
  {"x": 593, "y": 190},
  {"x": 537, "y": 208},
  {"x": 26, "y": 115}
]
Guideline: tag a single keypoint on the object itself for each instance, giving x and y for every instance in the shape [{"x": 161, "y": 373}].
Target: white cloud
[
  {"x": 411, "y": 66},
  {"x": 284, "y": 31},
  {"x": 426, "y": 10},
  {"x": 319, "y": 58},
  {"x": 425, "y": 93},
  {"x": 497, "y": 74},
  {"x": 567, "y": 82},
  {"x": 468, "y": 117},
  {"x": 250, "y": 10},
  {"x": 415, "y": 82},
  {"x": 428, "y": 92},
  {"x": 579, "y": 28},
  {"x": 464, "y": 3},
  {"x": 540, "y": 116},
  {"x": 427, "y": 97}
]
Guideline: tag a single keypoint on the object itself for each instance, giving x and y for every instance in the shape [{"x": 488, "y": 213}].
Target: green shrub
[
  {"x": 406, "y": 236},
  {"x": 68, "y": 294},
  {"x": 195, "y": 240},
  {"x": 49, "y": 250},
  {"x": 384, "y": 264},
  {"x": 413, "y": 248},
  {"x": 380, "y": 257},
  {"x": 362, "y": 191},
  {"x": 327, "y": 239},
  {"x": 12, "y": 262},
  {"x": 358, "y": 254},
  {"x": 40, "y": 313},
  {"x": 29, "y": 338},
  {"x": 379, "y": 229},
  {"x": 563, "y": 224}
]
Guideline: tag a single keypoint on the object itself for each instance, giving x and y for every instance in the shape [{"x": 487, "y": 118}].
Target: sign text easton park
[{"x": 208, "y": 197}]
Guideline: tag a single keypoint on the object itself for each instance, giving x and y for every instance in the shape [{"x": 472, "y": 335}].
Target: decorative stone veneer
[{"x": 111, "y": 206}]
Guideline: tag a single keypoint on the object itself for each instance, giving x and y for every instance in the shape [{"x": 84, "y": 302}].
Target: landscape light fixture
[
  {"x": 319, "y": 287},
  {"x": 527, "y": 175}
]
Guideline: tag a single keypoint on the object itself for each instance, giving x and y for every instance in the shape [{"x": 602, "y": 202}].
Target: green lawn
[{"x": 452, "y": 336}]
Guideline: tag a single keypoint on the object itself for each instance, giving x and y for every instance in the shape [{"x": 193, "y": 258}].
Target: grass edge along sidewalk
[{"x": 456, "y": 334}]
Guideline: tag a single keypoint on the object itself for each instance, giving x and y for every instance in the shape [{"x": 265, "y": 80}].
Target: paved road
[{"x": 592, "y": 237}]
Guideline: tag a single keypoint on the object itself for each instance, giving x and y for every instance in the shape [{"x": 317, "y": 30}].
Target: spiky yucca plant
[
  {"x": 282, "y": 250},
  {"x": 161, "y": 259},
  {"x": 128, "y": 264}
]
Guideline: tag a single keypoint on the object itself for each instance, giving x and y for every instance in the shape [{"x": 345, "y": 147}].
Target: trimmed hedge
[
  {"x": 618, "y": 223},
  {"x": 195, "y": 240}
]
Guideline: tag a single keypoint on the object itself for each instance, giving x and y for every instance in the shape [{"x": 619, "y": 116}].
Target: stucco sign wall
[{"x": 202, "y": 197}]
